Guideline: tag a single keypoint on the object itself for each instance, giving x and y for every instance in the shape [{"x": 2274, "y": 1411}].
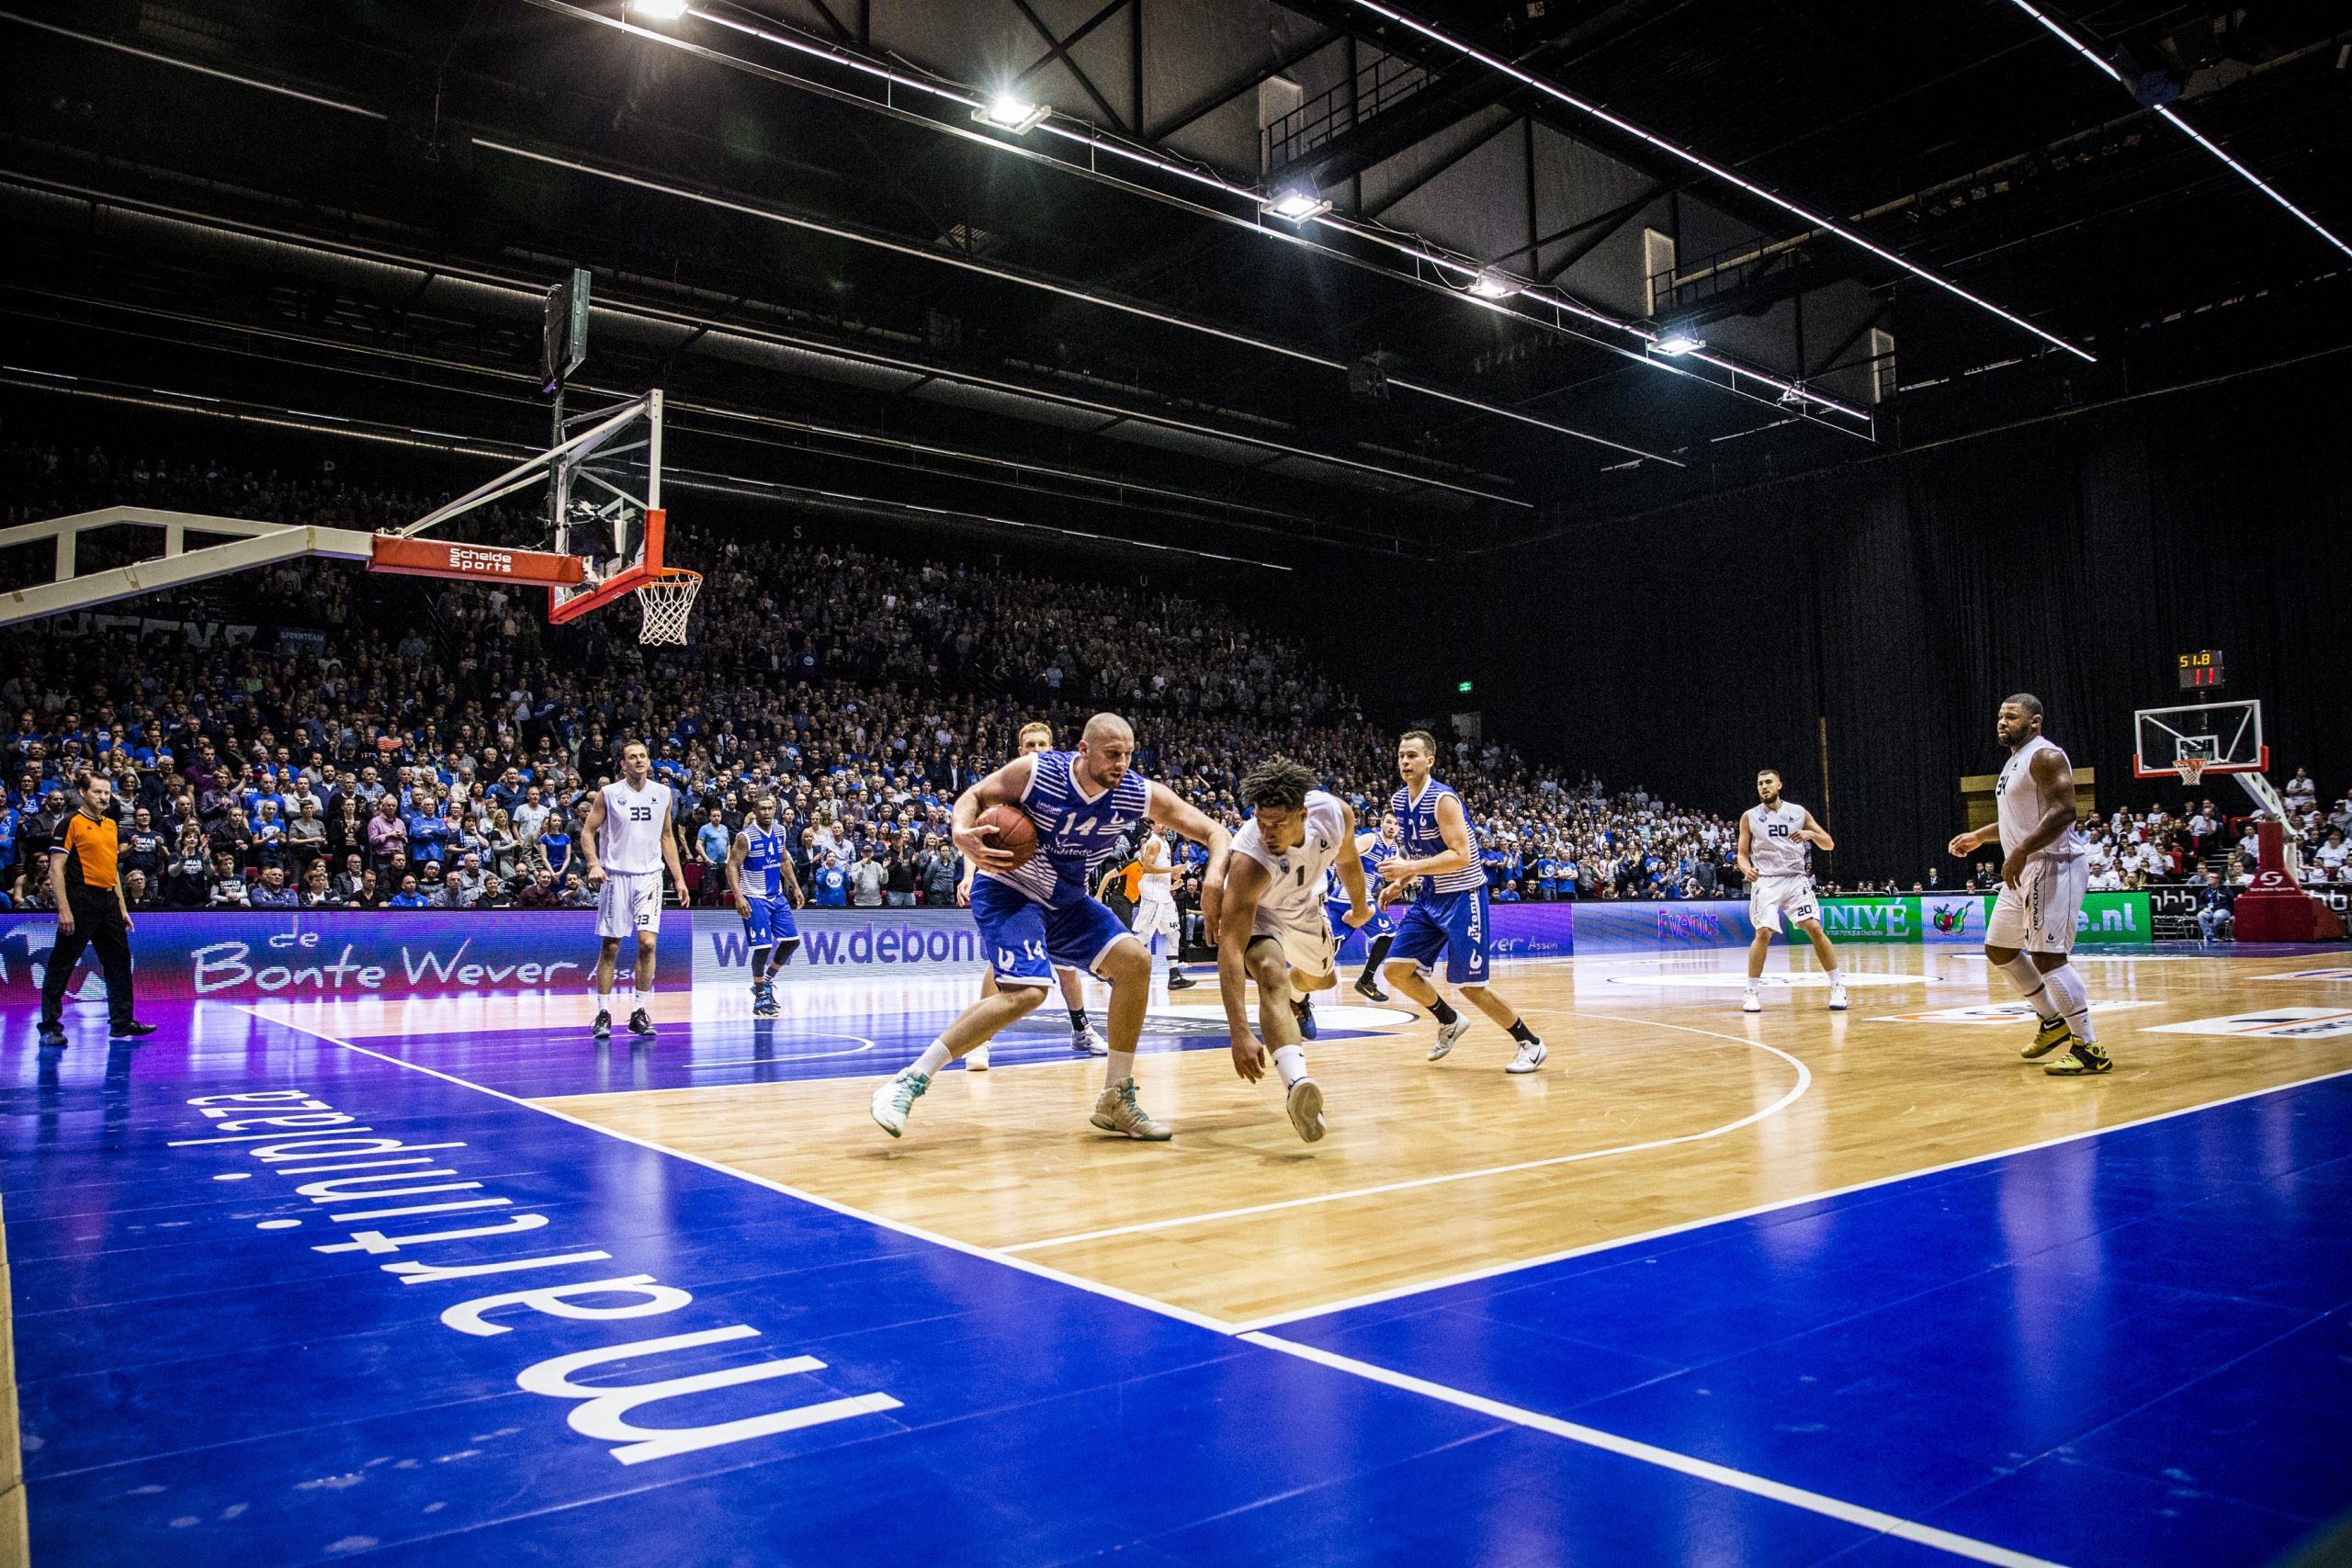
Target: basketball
[{"x": 1015, "y": 832}]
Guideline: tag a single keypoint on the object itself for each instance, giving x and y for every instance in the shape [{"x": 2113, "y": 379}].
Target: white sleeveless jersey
[
  {"x": 1772, "y": 842},
  {"x": 630, "y": 841},
  {"x": 2022, "y": 806},
  {"x": 1296, "y": 895},
  {"x": 1159, "y": 869}
]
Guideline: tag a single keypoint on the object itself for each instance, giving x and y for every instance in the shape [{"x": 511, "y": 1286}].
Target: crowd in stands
[{"x": 312, "y": 736}]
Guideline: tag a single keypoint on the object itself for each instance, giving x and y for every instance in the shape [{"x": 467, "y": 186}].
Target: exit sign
[
  {"x": 1462, "y": 685},
  {"x": 2200, "y": 670}
]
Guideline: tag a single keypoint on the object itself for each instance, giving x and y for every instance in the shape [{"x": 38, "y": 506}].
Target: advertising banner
[
  {"x": 1953, "y": 917},
  {"x": 241, "y": 955},
  {"x": 1640, "y": 926},
  {"x": 1869, "y": 920},
  {"x": 1532, "y": 930},
  {"x": 2106, "y": 919},
  {"x": 843, "y": 942}
]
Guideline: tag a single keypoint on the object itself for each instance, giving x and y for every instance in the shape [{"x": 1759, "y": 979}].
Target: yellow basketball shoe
[
  {"x": 2086, "y": 1059},
  {"x": 2052, "y": 1035}
]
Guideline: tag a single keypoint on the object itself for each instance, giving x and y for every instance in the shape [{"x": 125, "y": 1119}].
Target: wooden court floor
[{"x": 1662, "y": 1106}]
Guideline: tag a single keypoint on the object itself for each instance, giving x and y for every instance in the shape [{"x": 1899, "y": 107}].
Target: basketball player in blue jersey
[
  {"x": 1371, "y": 848},
  {"x": 1041, "y": 913},
  {"x": 761, "y": 857},
  {"x": 1450, "y": 917},
  {"x": 1035, "y": 736}
]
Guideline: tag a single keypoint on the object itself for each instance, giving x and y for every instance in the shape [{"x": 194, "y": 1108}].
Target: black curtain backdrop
[{"x": 1902, "y": 598}]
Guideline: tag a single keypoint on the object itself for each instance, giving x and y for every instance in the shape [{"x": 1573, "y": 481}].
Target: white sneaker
[
  {"x": 977, "y": 1059},
  {"x": 1116, "y": 1110},
  {"x": 1089, "y": 1040},
  {"x": 1837, "y": 997},
  {"x": 1753, "y": 1002},
  {"x": 895, "y": 1098},
  {"x": 1305, "y": 1104},
  {"x": 1531, "y": 1056},
  {"x": 1447, "y": 1033}
]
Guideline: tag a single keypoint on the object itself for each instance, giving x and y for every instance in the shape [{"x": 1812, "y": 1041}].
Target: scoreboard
[{"x": 2200, "y": 670}]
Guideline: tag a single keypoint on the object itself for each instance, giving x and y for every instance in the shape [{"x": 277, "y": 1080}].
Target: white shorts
[
  {"x": 629, "y": 902},
  {"x": 1307, "y": 941},
  {"x": 1776, "y": 898},
  {"x": 2038, "y": 914},
  {"x": 1154, "y": 917}
]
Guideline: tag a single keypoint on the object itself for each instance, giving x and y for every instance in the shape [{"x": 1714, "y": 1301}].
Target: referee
[{"x": 84, "y": 872}]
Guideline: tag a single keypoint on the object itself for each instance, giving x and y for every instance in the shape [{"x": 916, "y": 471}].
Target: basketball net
[
  {"x": 664, "y": 604},
  {"x": 2190, "y": 769}
]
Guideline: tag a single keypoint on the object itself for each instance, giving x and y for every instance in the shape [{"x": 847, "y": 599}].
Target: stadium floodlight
[
  {"x": 1492, "y": 284},
  {"x": 1295, "y": 203},
  {"x": 1005, "y": 112},
  {"x": 659, "y": 10},
  {"x": 1679, "y": 343}
]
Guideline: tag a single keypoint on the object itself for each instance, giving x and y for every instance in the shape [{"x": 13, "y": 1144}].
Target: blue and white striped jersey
[
  {"x": 1421, "y": 838},
  {"x": 1076, "y": 831},
  {"x": 764, "y": 856}
]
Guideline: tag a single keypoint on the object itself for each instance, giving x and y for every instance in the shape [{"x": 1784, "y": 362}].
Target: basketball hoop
[
  {"x": 2190, "y": 769},
  {"x": 664, "y": 604}
]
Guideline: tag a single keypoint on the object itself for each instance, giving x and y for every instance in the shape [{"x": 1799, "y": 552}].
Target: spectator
[
  {"x": 227, "y": 888},
  {"x": 830, "y": 881},
  {"x": 711, "y": 842},
  {"x": 2216, "y": 911},
  {"x": 410, "y": 896},
  {"x": 865, "y": 880},
  {"x": 387, "y": 831},
  {"x": 273, "y": 893},
  {"x": 469, "y": 884},
  {"x": 898, "y": 874}
]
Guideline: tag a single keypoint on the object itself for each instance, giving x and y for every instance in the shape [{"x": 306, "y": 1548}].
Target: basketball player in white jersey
[
  {"x": 627, "y": 835},
  {"x": 1275, "y": 931},
  {"x": 2045, "y": 871},
  {"x": 1154, "y": 919},
  {"x": 1775, "y": 836},
  {"x": 1035, "y": 736}
]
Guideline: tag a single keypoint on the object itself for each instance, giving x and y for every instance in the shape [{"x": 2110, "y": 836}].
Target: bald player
[
  {"x": 1035, "y": 736},
  {"x": 1041, "y": 913}
]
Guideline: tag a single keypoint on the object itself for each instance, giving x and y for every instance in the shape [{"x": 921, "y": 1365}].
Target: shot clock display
[{"x": 2201, "y": 670}]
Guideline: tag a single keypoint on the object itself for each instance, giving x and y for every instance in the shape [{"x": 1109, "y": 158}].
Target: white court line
[
  {"x": 1489, "y": 1271},
  {"x": 1092, "y": 1287},
  {"x": 1804, "y": 1081},
  {"x": 1666, "y": 1459}
]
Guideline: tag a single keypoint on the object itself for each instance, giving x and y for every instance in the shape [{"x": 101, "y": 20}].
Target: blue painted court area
[
  {"x": 282, "y": 1300},
  {"x": 2127, "y": 1350}
]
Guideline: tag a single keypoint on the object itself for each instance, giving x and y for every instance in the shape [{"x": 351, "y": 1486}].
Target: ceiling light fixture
[
  {"x": 1679, "y": 343},
  {"x": 1097, "y": 143},
  {"x": 1492, "y": 284},
  {"x": 1295, "y": 204},
  {"x": 659, "y": 10},
  {"x": 1005, "y": 112},
  {"x": 1561, "y": 96}
]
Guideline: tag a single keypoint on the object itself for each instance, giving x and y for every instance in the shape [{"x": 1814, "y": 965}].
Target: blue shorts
[
  {"x": 1027, "y": 941},
  {"x": 1453, "y": 924},
  {"x": 770, "y": 920},
  {"x": 1379, "y": 926}
]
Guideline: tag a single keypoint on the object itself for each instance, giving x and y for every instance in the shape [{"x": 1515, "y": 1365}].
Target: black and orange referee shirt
[{"x": 94, "y": 844}]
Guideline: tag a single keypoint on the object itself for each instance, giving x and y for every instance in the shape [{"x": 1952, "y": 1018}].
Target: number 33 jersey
[{"x": 634, "y": 819}]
